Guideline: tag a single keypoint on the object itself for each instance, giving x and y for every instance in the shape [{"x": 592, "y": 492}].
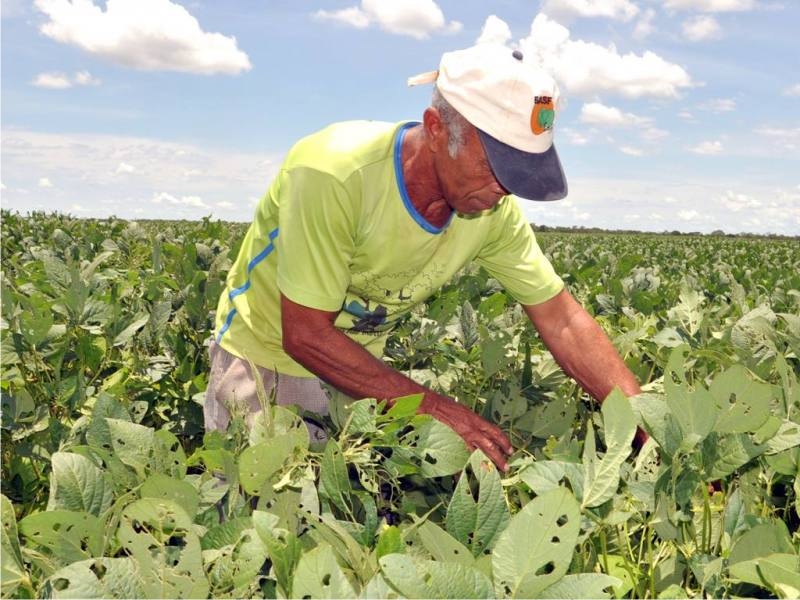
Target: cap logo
[{"x": 542, "y": 115}]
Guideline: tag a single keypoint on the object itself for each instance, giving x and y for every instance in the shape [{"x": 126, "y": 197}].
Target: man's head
[{"x": 511, "y": 103}]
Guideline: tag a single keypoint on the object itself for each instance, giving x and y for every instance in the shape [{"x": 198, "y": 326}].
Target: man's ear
[{"x": 435, "y": 129}]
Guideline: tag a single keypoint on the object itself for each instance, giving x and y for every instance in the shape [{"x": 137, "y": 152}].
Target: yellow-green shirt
[{"x": 337, "y": 231}]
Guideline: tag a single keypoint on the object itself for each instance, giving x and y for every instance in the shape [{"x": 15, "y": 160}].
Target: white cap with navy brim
[{"x": 512, "y": 103}]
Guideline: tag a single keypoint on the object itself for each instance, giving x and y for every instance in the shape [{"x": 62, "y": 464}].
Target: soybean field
[{"x": 111, "y": 489}]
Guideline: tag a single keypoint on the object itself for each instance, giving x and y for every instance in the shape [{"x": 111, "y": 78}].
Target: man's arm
[
  {"x": 582, "y": 349},
  {"x": 310, "y": 338}
]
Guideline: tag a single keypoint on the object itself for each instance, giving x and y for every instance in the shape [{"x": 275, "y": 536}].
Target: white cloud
[
  {"x": 353, "y": 16},
  {"x": 631, "y": 151},
  {"x": 688, "y": 215},
  {"x": 165, "y": 198},
  {"x": 622, "y": 10},
  {"x": 672, "y": 203},
  {"x": 588, "y": 68},
  {"x": 44, "y": 182},
  {"x": 494, "y": 30},
  {"x": 52, "y": 81},
  {"x": 644, "y": 26},
  {"x": 738, "y": 202},
  {"x": 707, "y": 148},
  {"x": 151, "y": 35},
  {"x": 793, "y": 90},
  {"x": 710, "y": 5},
  {"x": 719, "y": 105},
  {"x": 701, "y": 28},
  {"x": 594, "y": 113},
  {"x": 86, "y": 78},
  {"x": 85, "y": 170},
  {"x": 415, "y": 18},
  {"x": 61, "y": 81}
]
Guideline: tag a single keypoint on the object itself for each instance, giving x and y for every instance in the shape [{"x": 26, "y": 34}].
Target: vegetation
[{"x": 111, "y": 489}]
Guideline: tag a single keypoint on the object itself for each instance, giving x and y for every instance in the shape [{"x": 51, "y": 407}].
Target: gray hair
[{"x": 455, "y": 122}]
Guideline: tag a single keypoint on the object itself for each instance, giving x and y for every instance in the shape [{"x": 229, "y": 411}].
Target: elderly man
[{"x": 367, "y": 219}]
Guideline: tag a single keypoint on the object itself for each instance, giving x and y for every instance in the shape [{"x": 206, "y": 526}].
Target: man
[{"x": 366, "y": 220}]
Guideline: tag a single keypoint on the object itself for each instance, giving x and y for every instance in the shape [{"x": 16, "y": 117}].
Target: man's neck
[{"x": 422, "y": 183}]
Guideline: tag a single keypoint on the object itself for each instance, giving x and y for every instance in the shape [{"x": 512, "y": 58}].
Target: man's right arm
[{"x": 310, "y": 338}]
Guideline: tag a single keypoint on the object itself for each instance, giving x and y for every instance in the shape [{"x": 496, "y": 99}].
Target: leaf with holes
[
  {"x": 437, "y": 449},
  {"x": 160, "y": 537},
  {"x": 77, "y": 484},
  {"x": 318, "y": 575},
  {"x": 13, "y": 572},
  {"x": 165, "y": 487},
  {"x": 65, "y": 535},
  {"x": 258, "y": 464},
  {"x": 97, "y": 578},
  {"x": 283, "y": 547},
  {"x": 442, "y": 546},
  {"x": 744, "y": 403},
  {"x": 433, "y": 579},
  {"x": 581, "y": 585},
  {"x": 132, "y": 444},
  {"x": 477, "y": 521},
  {"x": 547, "y": 529}
]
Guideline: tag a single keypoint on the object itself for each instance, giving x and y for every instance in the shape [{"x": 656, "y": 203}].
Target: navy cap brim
[{"x": 530, "y": 175}]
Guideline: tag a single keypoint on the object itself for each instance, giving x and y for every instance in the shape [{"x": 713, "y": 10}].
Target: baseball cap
[{"x": 512, "y": 102}]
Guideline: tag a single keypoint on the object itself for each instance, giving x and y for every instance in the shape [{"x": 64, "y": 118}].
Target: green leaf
[
  {"x": 126, "y": 335},
  {"x": 547, "y": 528},
  {"x": 66, "y": 535},
  {"x": 782, "y": 574},
  {"x": 165, "y": 487},
  {"x": 744, "y": 403},
  {"x": 258, "y": 464},
  {"x": 96, "y": 578},
  {"x": 11, "y": 566},
  {"x": 476, "y": 522},
  {"x": 432, "y": 579},
  {"x": 389, "y": 542},
  {"x": 546, "y": 475},
  {"x": 581, "y": 585},
  {"x": 601, "y": 477},
  {"x": 438, "y": 449},
  {"x": 132, "y": 444},
  {"x": 695, "y": 412},
  {"x": 762, "y": 540},
  {"x": 283, "y": 547},
  {"x": 443, "y": 546},
  {"x": 318, "y": 575},
  {"x": 160, "y": 537},
  {"x": 77, "y": 484},
  {"x": 550, "y": 418},
  {"x": 334, "y": 482}
]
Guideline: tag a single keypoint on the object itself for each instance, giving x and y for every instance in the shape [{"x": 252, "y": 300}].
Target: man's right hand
[{"x": 476, "y": 431}]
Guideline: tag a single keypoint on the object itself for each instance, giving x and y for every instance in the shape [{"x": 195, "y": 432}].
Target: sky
[{"x": 676, "y": 115}]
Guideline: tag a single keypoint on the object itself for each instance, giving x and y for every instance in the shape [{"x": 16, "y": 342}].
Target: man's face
[{"x": 467, "y": 181}]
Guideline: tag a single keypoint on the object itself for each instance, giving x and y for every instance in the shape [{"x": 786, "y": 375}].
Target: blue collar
[{"x": 401, "y": 184}]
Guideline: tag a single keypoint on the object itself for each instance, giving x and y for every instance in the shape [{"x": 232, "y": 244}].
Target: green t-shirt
[{"x": 336, "y": 231}]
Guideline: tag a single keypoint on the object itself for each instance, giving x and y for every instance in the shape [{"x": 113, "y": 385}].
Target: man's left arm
[{"x": 582, "y": 349}]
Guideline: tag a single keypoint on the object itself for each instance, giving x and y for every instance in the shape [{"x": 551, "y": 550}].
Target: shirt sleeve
[
  {"x": 512, "y": 255},
  {"x": 316, "y": 238}
]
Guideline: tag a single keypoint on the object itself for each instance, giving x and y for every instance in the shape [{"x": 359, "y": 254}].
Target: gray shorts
[{"x": 232, "y": 388}]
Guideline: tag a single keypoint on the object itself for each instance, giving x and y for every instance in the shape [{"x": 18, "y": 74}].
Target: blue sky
[{"x": 677, "y": 114}]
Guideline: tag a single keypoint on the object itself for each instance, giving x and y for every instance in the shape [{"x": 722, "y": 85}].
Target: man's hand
[{"x": 476, "y": 431}]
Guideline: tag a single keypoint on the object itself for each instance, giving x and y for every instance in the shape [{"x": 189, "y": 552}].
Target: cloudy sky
[{"x": 677, "y": 114}]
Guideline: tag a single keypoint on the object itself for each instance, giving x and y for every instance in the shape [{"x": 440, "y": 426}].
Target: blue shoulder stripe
[{"x": 246, "y": 285}]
